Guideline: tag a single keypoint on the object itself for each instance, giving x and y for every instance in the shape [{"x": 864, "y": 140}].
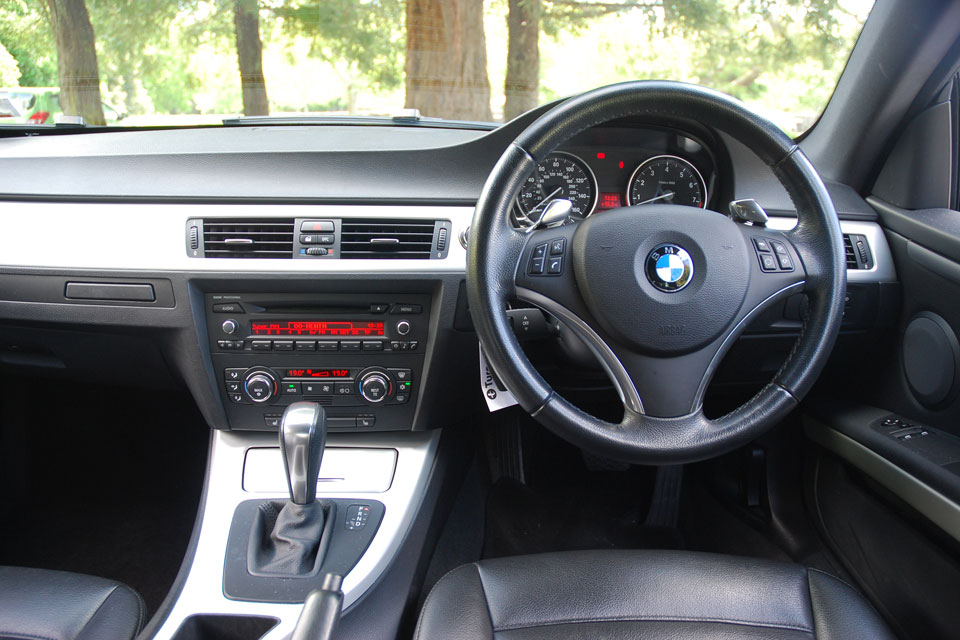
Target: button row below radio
[
  {"x": 317, "y": 345},
  {"x": 230, "y": 345},
  {"x": 404, "y": 345},
  {"x": 273, "y": 420}
]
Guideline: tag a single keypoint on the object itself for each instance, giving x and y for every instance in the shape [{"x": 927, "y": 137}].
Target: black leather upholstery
[
  {"x": 38, "y": 604},
  {"x": 649, "y": 594}
]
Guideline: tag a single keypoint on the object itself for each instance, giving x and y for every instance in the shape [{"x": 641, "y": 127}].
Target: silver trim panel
[
  {"x": 202, "y": 591},
  {"x": 150, "y": 237},
  {"x": 941, "y": 510},
  {"x": 882, "y": 270}
]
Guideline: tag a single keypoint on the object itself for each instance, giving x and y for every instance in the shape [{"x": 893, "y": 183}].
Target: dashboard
[{"x": 260, "y": 265}]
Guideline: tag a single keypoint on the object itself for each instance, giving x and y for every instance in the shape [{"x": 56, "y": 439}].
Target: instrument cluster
[{"x": 609, "y": 168}]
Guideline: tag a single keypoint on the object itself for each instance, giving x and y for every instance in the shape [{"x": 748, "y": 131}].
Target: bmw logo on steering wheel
[{"x": 669, "y": 267}]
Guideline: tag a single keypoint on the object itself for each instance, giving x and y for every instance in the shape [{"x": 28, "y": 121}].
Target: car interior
[{"x": 372, "y": 380}]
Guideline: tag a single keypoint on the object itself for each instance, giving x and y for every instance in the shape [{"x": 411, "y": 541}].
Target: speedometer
[
  {"x": 667, "y": 180},
  {"x": 560, "y": 175}
]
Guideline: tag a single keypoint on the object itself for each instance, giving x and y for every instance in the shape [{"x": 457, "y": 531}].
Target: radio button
[
  {"x": 349, "y": 345},
  {"x": 327, "y": 345},
  {"x": 228, "y": 307},
  {"x": 406, "y": 309},
  {"x": 379, "y": 308},
  {"x": 414, "y": 344},
  {"x": 283, "y": 345},
  {"x": 260, "y": 345},
  {"x": 306, "y": 345},
  {"x": 403, "y": 327},
  {"x": 344, "y": 389},
  {"x": 372, "y": 345}
]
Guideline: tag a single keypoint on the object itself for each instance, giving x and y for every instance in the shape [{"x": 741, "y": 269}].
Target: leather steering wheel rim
[{"x": 498, "y": 256}]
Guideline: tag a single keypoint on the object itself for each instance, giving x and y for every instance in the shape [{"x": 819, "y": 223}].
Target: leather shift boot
[{"x": 286, "y": 539}]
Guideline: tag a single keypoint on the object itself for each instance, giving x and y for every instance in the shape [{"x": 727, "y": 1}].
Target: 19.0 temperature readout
[{"x": 316, "y": 328}]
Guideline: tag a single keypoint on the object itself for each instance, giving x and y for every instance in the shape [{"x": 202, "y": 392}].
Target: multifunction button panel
[
  {"x": 772, "y": 254},
  {"x": 358, "y": 355},
  {"x": 547, "y": 258}
]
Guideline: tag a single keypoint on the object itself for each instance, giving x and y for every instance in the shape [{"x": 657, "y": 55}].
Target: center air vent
[
  {"x": 390, "y": 239},
  {"x": 248, "y": 238}
]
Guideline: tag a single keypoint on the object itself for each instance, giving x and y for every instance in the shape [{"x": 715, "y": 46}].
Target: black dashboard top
[{"x": 354, "y": 164}]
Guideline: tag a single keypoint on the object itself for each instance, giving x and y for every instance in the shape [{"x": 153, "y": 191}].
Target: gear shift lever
[
  {"x": 287, "y": 538},
  {"x": 303, "y": 435}
]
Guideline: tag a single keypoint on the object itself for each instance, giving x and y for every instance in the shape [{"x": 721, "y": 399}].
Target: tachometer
[
  {"x": 668, "y": 180},
  {"x": 560, "y": 175}
]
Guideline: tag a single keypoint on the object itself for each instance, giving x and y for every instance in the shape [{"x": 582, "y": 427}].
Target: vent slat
[
  {"x": 386, "y": 239},
  {"x": 270, "y": 238},
  {"x": 851, "y": 257}
]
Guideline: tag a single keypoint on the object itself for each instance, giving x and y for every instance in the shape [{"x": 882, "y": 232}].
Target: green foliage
[
  {"x": 24, "y": 33},
  {"x": 367, "y": 36},
  {"x": 142, "y": 60},
  {"x": 9, "y": 70}
]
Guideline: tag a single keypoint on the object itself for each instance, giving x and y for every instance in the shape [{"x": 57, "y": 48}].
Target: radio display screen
[
  {"x": 316, "y": 328},
  {"x": 316, "y": 373}
]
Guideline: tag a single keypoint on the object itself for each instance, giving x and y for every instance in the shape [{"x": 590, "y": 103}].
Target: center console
[{"x": 359, "y": 356}]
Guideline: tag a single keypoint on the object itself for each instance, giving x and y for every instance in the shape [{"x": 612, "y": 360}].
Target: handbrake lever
[{"x": 321, "y": 611}]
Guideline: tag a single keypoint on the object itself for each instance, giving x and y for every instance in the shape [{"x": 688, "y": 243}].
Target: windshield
[{"x": 193, "y": 62}]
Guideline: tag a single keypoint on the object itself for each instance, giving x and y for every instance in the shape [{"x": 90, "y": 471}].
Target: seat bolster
[
  {"x": 456, "y": 608},
  {"x": 840, "y": 613},
  {"x": 55, "y": 605}
]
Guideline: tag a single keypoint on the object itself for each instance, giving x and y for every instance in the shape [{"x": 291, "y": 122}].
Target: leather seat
[
  {"x": 54, "y": 605},
  {"x": 617, "y": 595}
]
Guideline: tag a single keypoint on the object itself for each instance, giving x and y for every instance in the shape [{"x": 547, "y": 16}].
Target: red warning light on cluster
[
  {"x": 609, "y": 201},
  {"x": 601, "y": 155}
]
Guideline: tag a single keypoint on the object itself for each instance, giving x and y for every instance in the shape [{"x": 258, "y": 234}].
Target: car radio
[{"x": 360, "y": 358}]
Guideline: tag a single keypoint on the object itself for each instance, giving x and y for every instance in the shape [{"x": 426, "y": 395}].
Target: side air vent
[
  {"x": 248, "y": 238},
  {"x": 390, "y": 239},
  {"x": 857, "y": 251}
]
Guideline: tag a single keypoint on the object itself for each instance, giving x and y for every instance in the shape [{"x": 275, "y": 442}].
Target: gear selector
[
  {"x": 303, "y": 436},
  {"x": 288, "y": 539}
]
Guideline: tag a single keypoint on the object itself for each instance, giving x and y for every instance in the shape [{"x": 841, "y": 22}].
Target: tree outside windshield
[{"x": 191, "y": 62}]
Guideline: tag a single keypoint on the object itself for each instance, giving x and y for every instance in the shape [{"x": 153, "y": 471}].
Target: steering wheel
[{"x": 658, "y": 292}]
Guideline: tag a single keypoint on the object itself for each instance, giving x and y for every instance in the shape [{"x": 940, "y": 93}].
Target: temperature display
[
  {"x": 316, "y": 328},
  {"x": 316, "y": 373}
]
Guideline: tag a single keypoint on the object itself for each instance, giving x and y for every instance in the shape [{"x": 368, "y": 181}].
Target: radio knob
[
  {"x": 403, "y": 327},
  {"x": 229, "y": 326},
  {"x": 260, "y": 386},
  {"x": 374, "y": 387}
]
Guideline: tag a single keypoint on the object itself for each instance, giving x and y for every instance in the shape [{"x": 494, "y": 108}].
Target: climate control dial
[
  {"x": 259, "y": 386},
  {"x": 375, "y": 386}
]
